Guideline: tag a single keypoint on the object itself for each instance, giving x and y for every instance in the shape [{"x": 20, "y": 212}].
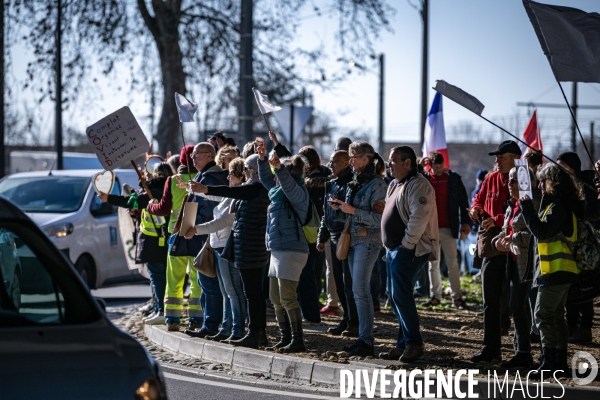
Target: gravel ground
[{"x": 451, "y": 338}]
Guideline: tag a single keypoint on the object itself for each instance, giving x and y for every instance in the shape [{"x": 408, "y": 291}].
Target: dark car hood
[{"x": 91, "y": 361}]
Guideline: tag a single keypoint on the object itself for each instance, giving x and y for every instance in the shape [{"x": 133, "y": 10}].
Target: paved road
[{"x": 184, "y": 384}]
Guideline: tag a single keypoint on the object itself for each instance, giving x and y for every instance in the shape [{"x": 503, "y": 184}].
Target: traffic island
[{"x": 368, "y": 372}]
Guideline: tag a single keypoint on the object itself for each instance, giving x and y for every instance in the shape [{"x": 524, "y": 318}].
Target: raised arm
[
  {"x": 164, "y": 206},
  {"x": 264, "y": 173},
  {"x": 244, "y": 192}
]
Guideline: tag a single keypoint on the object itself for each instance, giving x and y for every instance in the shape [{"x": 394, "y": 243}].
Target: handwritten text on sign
[{"x": 117, "y": 139}]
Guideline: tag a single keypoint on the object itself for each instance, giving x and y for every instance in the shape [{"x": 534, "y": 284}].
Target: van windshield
[{"x": 46, "y": 194}]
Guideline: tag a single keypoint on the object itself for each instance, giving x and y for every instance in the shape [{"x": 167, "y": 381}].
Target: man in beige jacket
[{"x": 409, "y": 229}]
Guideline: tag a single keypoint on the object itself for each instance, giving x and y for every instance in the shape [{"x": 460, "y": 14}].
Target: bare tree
[{"x": 189, "y": 44}]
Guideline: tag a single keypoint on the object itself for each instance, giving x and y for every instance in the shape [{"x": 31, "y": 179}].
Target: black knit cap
[{"x": 571, "y": 159}]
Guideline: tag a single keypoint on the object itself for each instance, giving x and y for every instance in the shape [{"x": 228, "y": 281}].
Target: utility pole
[
  {"x": 381, "y": 103},
  {"x": 425, "y": 67},
  {"x": 2, "y": 148},
  {"x": 573, "y": 121},
  {"x": 246, "y": 79},
  {"x": 592, "y": 152},
  {"x": 292, "y": 128},
  {"x": 58, "y": 139}
]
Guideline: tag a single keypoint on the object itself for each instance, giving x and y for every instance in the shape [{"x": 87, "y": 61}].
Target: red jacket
[{"x": 492, "y": 197}]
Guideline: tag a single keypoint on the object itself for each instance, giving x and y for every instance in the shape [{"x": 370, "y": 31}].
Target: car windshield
[{"x": 46, "y": 194}]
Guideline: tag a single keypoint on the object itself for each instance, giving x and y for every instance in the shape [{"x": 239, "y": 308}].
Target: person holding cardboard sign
[
  {"x": 170, "y": 205},
  {"x": 209, "y": 173}
]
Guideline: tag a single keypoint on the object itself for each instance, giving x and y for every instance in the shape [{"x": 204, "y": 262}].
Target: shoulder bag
[
  {"x": 205, "y": 261},
  {"x": 343, "y": 244}
]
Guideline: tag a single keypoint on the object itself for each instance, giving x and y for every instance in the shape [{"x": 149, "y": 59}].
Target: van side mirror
[{"x": 103, "y": 209}]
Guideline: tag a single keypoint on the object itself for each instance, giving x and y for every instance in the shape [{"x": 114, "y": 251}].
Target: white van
[{"x": 65, "y": 206}]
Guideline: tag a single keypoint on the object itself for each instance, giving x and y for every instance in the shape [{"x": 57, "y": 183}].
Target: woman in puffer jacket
[
  {"x": 286, "y": 242},
  {"x": 514, "y": 240},
  {"x": 230, "y": 280},
  {"x": 364, "y": 204},
  {"x": 249, "y": 252}
]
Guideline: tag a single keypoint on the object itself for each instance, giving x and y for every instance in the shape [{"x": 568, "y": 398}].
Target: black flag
[{"x": 570, "y": 38}]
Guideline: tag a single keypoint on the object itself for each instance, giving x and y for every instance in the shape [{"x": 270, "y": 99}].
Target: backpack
[
  {"x": 311, "y": 225},
  {"x": 586, "y": 249}
]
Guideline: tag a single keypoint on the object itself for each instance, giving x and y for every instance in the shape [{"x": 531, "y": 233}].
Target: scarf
[
  {"x": 253, "y": 179},
  {"x": 360, "y": 179},
  {"x": 276, "y": 193}
]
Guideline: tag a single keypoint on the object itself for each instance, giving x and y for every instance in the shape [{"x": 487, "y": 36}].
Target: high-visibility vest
[
  {"x": 556, "y": 253},
  {"x": 150, "y": 224},
  {"x": 177, "y": 196}
]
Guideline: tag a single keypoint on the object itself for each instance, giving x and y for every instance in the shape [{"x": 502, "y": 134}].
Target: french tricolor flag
[{"x": 435, "y": 134}]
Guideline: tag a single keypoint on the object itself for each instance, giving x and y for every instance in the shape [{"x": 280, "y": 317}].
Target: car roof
[
  {"x": 88, "y": 173},
  {"x": 9, "y": 210}
]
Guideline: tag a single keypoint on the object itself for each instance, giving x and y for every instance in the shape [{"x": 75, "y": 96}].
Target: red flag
[{"x": 531, "y": 136}]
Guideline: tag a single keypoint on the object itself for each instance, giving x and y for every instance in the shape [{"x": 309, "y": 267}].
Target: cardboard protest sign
[
  {"x": 523, "y": 178},
  {"x": 104, "y": 181},
  {"x": 190, "y": 210},
  {"x": 117, "y": 139}
]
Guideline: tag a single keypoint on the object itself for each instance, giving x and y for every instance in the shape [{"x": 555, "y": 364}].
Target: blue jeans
[
  {"x": 361, "y": 259},
  {"x": 403, "y": 268},
  {"x": 212, "y": 303},
  {"x": 158, "y": 280},
  {"x": 234, "y": 302}
]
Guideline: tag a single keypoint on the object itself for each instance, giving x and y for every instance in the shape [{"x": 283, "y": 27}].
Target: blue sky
[{"x": 486, "y": 47}]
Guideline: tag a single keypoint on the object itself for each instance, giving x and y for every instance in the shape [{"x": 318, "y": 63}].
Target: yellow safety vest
[
  {"x": 555, "y": 253},
  {"x": 177, "y": 196},
  {"x": 150, "y": 224}
]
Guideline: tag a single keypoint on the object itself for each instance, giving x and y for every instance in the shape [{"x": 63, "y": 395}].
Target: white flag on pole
[
  {"x": 263, "y": 102},
  {"x": 185, "y": 108}
]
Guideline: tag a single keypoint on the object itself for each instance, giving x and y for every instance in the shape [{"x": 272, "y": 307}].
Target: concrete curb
[
  {"x": 318, "y": 372},
  {"x": 249, "y": 360}
]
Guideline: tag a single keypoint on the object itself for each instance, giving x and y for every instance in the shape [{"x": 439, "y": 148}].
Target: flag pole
[
  {"x": 267, "y": 122},
  {"x": 539, "y": 151},
  {"x": 576, "y": 124},
  {"x": 186, "y": 157}
]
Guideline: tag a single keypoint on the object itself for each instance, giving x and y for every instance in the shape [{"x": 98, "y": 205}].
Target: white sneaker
[
  {"x": 157, "y": 320},
  {"x": 154, "y": 314}
]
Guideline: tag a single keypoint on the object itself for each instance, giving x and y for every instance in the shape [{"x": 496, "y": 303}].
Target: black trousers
[
  {"x": 519, "y": 304},
  {"x": 343, "y": 285},
  {"x": 255, "y": 299},
  {"x": 379, "y": 278},
  {"x": 308, "y": 295},
  {"x": 493, "y": 276},
  {"x": 580, "y": 314}
]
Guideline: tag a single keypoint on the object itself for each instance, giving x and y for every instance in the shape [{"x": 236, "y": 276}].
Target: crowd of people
[{"x": 279, "y": 223}]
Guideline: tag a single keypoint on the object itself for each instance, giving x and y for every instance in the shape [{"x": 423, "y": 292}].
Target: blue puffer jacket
[
  {"x": 284, "y": 231},
  {"x": 367, "y": 216}
]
